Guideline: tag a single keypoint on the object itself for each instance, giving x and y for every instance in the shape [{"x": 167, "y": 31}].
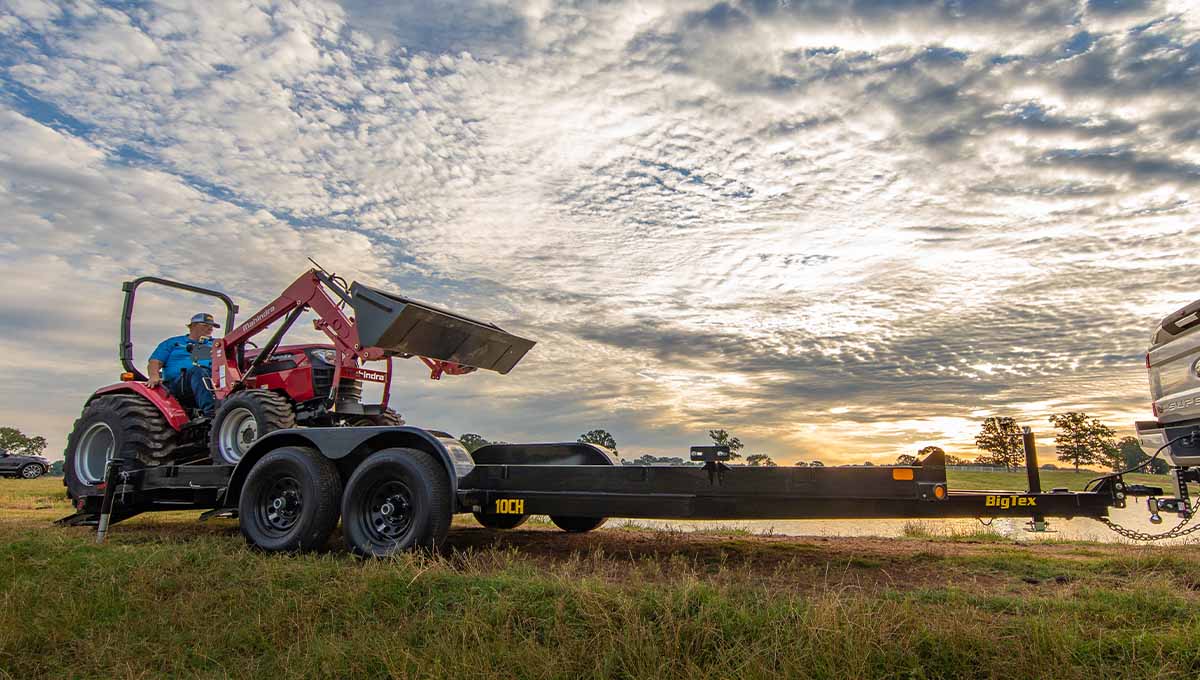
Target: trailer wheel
[
  {"x": 396, "y": 500},
  {"x": 290, "y": 500},
  {"x": 577, "y": 525},
  {"x": 242, "y": 419},
  {"x": 494, "y": 521}
]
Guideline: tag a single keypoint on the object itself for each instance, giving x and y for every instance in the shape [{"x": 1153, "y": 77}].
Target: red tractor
[{"x": 262, "y": 389}]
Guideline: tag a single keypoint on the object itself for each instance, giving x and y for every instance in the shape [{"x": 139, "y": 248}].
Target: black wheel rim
[
  {"x": 280, "y": 504},
  {"x": 389, "y": 513}
]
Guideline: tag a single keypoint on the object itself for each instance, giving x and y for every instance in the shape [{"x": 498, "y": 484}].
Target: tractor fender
[
  {"x": 160, "y": 397},
  {"x": 350, "y": 445}
]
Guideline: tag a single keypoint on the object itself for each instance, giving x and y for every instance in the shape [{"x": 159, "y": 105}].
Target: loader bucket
[{"x": 399, "y": 325}]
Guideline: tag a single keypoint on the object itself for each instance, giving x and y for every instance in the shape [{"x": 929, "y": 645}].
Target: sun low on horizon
[{"x": 840, "y": 231}]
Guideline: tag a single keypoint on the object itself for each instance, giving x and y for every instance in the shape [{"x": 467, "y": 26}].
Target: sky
[{"x": 841, "y": 230}]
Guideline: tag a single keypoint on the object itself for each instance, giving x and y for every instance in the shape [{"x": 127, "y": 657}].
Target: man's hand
[{"x": 154, "y": 370}]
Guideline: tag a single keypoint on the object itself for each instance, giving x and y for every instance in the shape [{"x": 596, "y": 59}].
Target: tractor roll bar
[{"x": 125, "y": 349}]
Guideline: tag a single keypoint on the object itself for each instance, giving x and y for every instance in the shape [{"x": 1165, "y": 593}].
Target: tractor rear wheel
[
  {"x": 387, "y": 418},
  {"x": 125, "y": 426},
  {"x": 577, "y": 525},
  {"x": 242, "y": 419}
]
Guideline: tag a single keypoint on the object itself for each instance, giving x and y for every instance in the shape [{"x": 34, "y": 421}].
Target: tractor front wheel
[{"x": 242, "y": 419}]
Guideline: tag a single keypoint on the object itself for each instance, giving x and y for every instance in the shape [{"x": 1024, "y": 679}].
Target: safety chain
[{"x": 1177, "y": 531}]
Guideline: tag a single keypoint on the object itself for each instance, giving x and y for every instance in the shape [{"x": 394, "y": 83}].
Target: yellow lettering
[
  {"x": 510, "y": 506},
  {"x": 1032, "y": 501},
  {"x": 990, "y": 502}
]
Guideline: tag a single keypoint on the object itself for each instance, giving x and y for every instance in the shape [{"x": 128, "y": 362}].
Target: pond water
[{"x": 1079, "y": 529}]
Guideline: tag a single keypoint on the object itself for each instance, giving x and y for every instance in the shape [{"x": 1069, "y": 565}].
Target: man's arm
[
  {"x": 158, "y": 359},
  {"x": 154, "y": 373}
]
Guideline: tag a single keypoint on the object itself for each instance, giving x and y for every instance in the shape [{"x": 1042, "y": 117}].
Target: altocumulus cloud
[{"x": 840, "y": 229}]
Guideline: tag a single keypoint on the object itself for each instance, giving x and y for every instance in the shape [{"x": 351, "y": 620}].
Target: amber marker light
[
  {"x": 128, "y": 377},
  {"x": 939, "y": 492},
  {"x": 902, "y": 474}
]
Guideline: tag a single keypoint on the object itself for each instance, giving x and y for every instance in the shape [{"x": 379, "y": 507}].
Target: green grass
[
  {"x": 961, "y": 479},
  {"x": 168, "y": 597}
]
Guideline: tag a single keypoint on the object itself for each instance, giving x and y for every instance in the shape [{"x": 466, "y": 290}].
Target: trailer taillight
[{"x": 128, "y": 377}]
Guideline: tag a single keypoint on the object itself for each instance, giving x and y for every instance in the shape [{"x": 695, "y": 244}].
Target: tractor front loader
[{"x": 277, "y": 386}]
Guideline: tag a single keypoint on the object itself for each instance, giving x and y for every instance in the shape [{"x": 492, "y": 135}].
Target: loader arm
[
  {"x": 306, "y": 291},
  {"x": 446, "y": 342}
]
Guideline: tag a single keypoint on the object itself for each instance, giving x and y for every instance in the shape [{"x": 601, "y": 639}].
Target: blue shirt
[{"x": 175, "y": 357}]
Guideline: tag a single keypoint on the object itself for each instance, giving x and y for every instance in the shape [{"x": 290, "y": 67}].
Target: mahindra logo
[{"x": 257, "y": 318}]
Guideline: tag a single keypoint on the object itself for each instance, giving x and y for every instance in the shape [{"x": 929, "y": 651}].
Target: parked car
[{"x": 23, "y": 466}]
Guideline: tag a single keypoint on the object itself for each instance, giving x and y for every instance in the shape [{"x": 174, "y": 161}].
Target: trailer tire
[
  {"x": 577, "y": 525},
  {"x": 494, "y": 521},
  {"x": 290, "y": 500},
  {"x": 243, "y": 419},
  {"x": 125, "y": 426},
  {"x": 397, "y": 499}
]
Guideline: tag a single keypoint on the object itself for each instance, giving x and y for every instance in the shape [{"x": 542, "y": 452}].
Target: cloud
[{"x": 736, "y": 214}]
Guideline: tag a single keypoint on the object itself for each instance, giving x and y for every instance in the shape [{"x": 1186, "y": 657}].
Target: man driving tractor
[{"x": 184, "y": 365}]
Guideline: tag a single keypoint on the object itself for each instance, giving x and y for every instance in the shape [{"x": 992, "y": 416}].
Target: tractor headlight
[{"x": 329, "y": 356}]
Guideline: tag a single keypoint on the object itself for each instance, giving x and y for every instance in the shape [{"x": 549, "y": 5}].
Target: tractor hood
[{"x": 399, "y": 325}]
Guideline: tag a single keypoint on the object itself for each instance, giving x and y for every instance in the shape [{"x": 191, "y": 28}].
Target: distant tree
[
  {"x": 816, "y": 463},
  {"x": 760, "y": 460},
  {"x": 868, "y": 464},
  {"x": 1132, "y": 454},
  {"x": 723, "y": 438},
  {"x": 473, "y": 441},
  {"x": 15, "y": 441},
  {"x": 955, "y": 460},
  {"x": 1081, "y": 440},
  {"x": 906, "y": 459},
  {"x": 800, "y": 463},
  {"x": 1001, "y": 439},
  {"x": 600, "y": 438}
]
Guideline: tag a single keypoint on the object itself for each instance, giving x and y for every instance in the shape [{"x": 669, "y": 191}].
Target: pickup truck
[{"x": 1173, "y": 361}]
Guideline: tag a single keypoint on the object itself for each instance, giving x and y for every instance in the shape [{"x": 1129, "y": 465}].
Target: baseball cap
[{"x": 204, "y": 318}]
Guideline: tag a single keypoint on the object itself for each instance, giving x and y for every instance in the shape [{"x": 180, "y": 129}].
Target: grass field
[
  {"x": 959, "y": 479},
  {"x": 170, "y": 597}
]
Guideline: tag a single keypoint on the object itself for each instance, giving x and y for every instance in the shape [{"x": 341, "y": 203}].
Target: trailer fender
[
  {"x": 350, "y": 445},
  {"x": 566, "y": 453}
]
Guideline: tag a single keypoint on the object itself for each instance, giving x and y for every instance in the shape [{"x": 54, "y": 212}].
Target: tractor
[{"x": 262, "y": 389}]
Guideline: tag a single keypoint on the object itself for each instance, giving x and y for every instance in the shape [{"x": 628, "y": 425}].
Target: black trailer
[{"x": 396, "y": 488}]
